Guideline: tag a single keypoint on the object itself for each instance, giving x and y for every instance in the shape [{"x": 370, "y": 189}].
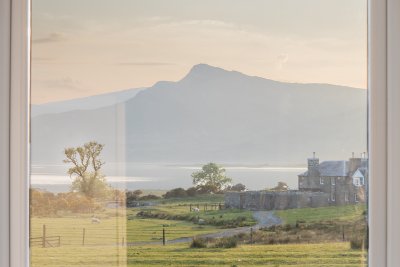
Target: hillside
[{"x": 214, "y": 115}]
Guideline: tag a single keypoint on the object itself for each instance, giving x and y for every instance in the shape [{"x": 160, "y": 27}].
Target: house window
[
  {"x": 183, "y": 120},
  {"x": 356, "y": 198},
  {"x": 346, "y": 196}
]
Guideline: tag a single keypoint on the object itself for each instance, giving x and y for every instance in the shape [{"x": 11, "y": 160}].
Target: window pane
[{"x": 199, "y": 133}]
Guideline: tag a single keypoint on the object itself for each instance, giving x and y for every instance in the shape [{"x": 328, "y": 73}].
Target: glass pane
[{"x": 199, "y": 133}]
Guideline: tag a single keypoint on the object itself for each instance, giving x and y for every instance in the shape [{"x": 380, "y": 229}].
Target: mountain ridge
[{"x": 214, "y": 115}]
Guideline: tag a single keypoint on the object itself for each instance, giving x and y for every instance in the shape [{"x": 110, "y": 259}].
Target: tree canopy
[
  {"x": 211, "y": 179},
  {"x": 85, "y": 170}
]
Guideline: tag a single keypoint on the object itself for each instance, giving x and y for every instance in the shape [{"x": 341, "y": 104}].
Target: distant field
[
  {"x": 348, "y": 213},
  {"x": 326, "y": 254}
]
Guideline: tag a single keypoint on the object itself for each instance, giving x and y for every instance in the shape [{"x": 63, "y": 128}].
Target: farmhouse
[{"x": 329, "y": 183}]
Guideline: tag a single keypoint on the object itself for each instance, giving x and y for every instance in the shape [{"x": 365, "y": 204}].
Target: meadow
[
  {"x": 349, "y": 213},
  {"x": 124, "y": 239},
  {"x": 325, "y": 254}
]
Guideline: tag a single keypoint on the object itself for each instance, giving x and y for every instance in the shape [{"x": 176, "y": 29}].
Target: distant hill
[
  {"x": 214, "y": 115},
  {"x": 85, "y": 103}
]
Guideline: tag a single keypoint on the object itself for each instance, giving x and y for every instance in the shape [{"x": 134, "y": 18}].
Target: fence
[
  {"x": 206, "y": 206},
  {"x": 45, "y": 241},
  {"x": 87, "y": 236}
]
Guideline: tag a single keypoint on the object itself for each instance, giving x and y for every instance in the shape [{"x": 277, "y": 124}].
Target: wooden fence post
[
  {"x": 251, "y": 235},
  {"x": 44, "y": 236},
  {"x": 163, "y": 236},
  {"x": 343, "y": 237},
  {"x": 83, "y": 236}
]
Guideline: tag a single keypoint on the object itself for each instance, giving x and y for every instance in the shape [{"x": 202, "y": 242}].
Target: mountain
[
  {"x": 85, "y": 103},
  {"x": 214, "y": 115}
]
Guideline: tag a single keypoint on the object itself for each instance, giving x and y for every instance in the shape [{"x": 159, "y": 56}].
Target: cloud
[
  {"x": 51, "y": 38},
  {"x": 150, "y": 64},
  {"x": 282, "y": 59}
]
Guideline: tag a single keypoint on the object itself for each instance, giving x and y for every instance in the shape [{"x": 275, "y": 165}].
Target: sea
[{"x": 162, "y": 176}]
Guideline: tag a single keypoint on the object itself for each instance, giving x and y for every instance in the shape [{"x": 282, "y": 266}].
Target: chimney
[
  {"x": 354, "y": 164},
  {"x": 313, "y": 166}
]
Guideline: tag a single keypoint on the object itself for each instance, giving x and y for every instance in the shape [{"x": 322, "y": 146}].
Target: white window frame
[
  {"x": 321, "y": 180},
  {"x": 384, "y": 131}
]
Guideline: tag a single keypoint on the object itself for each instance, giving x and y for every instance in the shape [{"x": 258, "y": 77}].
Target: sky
[{"x": 82, "y": 48}]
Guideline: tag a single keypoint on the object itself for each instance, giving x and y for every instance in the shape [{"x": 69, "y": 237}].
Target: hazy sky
[{"x": 87, "y": 47}]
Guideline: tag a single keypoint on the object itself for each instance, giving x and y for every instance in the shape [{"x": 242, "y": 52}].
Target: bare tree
[{"x": 85, "y": 170}]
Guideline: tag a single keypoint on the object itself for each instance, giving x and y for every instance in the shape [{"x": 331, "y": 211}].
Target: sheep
[
  {"x": 95, "y": 220},
  {"x": 196, "y": 209}
]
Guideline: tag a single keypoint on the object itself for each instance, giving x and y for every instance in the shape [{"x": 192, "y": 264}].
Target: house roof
[{"x": 331, "y": 168}]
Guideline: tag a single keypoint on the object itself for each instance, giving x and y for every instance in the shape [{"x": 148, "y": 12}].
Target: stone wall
[{"x": 264, "y": 200}]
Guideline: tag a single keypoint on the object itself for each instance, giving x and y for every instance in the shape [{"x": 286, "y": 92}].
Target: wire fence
[{"x": 86, "y": 236}]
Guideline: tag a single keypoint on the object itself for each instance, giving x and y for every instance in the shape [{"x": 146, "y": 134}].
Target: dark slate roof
[{"x": 331, "y": 168}]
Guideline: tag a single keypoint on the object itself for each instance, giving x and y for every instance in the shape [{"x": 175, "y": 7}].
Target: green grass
[
  {"x": 179, "y": 208},
  {"x": 142, "y": 230},
  {"x": 348, "y": 213},
  {"x": 114, "y": 230},
  {"x": 326, "y": 254}
]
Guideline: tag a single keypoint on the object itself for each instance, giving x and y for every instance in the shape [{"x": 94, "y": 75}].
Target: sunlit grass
[
  {"x": 326, "y": 254},
  {"x": 347, "y": 213}
]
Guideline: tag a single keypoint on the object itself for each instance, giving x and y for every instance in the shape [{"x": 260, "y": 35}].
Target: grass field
[
  {"x": 179, "y": 208},
  {"x": 119, "y": 239},
  {"x": 114, "y": 230},
  {"x": 348, "y": 213},
  {"x": 326, "y": 254}
]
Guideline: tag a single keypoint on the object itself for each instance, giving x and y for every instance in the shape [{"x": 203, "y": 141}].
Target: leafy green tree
[
  {"x": 85, "y": 170},
  {"x": 211, "y": 179}
]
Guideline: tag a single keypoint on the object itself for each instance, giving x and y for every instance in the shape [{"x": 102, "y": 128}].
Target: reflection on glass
[{"x": 240, "y": 143}]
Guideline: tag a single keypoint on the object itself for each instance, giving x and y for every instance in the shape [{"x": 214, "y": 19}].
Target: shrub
[
  {"x": 176, "y": 192},
  {"x": 198, "y": 243},
  {"x": 191, "y": 191},
  {"x": 356, "y": 243},
  {"x": 149, "y": 197},
  {"x": 226, "y": 242}
]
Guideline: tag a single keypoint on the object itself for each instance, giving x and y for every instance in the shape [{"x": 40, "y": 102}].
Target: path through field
[{"x": 263, "y": 218}]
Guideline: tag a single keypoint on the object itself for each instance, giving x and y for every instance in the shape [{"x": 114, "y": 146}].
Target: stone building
[{"x": 330, "y": 183}]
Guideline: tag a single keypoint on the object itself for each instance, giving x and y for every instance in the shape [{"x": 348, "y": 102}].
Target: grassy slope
[
  {"x": 326, "y": 254},
  {"x": 181, "y": 206},
  {"x": 342, "y": 213}
]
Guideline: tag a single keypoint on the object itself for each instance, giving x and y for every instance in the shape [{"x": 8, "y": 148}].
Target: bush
[
  {"x": 176, "y": 192},
  {"x": 191, "y": 191},
  {"x": 149, "y": 197},
  {"x": 226, "y": 242},
  {"x": 356, "y": 243},
  {"x": 198, "y": 243}
]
